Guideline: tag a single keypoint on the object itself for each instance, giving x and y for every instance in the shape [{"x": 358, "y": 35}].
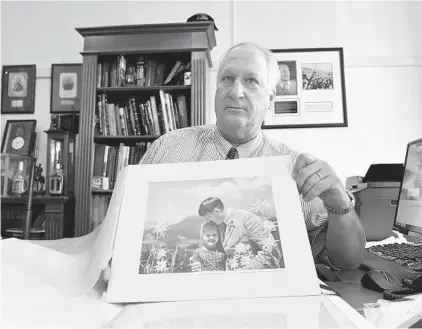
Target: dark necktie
[{"x": 233, "y": 154}]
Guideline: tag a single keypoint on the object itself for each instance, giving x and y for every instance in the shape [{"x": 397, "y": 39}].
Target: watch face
[{"x": 18, "y": 143}]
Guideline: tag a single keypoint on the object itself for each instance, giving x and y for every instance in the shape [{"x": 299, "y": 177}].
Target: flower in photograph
[
  {"x": 245, "y": 260},
  {"x": 159, "y": 229},
  {"x": 161, "y": 266},
  {"x": 268, "y": 225},
  {"x": 232, "y": 263},
  {"x": 258, "y": 206},
  {"x": 241, "y": 248},
  {"x": 162, "y": 252},
  {"x": 268, "y": 244}
]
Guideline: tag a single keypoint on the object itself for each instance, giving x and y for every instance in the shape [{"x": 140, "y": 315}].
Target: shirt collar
[
  {"x": 244, "y": 150},
  {"x": 228, "y": 217}
]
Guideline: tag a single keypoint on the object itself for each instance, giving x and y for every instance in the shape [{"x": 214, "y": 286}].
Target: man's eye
[
  {"x": 227, "y": 78},
  {"x": 252, "y": 81}
]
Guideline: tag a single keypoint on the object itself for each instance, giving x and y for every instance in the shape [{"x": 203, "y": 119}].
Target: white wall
[{"x": 381, "y": 40}]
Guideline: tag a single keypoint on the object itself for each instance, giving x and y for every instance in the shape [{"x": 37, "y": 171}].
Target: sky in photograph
[{"x": 171, "y": 202}]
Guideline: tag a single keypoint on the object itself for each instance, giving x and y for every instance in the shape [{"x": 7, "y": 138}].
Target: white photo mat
[
  {"x": 280, "y": 313},
  {"x": 324, "y": 107},
  {"x": 298, "y": 278}
]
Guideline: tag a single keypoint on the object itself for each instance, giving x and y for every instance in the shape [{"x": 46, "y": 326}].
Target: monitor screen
[{"x": 409, "y": 207}]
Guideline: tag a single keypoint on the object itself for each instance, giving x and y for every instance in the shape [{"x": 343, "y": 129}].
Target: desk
[
  {"x": 58, "y": 212},
  {"x": 355, "y": 295}
]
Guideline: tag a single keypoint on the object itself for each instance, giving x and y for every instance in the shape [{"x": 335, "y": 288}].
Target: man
[
  {"x": 246, "y": 85},
  {"x": 238, "y": 226},
  {"x": 285, "y": 86}
]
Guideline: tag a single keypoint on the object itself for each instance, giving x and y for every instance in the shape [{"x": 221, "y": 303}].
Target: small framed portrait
[
  {"x": 19, "y": 137},
  {"x": 18, "y": 89},
  {"x": 66, "y": 87},
  {"x": 288, "y": 79},
  {"x": 314, "y": 77}
]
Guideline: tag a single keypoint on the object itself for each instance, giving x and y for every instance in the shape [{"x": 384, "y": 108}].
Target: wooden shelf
[
  {"x": 102, "y": 192},
  {"x": 142, "y": 89},
  {"x": 165, "y": 43},
  {"x": 116, "y": 140}
]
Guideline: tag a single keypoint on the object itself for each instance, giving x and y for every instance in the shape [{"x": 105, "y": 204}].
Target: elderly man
[{"x": 246, "y": 85}]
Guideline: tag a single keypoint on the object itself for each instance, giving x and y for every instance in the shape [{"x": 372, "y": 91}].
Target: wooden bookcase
[{"x": 192, "y": 40}]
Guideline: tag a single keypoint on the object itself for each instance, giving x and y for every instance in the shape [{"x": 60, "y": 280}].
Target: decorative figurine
[
  {"x": 55, "y": 122},
  {"x": 39, "y": 180}
]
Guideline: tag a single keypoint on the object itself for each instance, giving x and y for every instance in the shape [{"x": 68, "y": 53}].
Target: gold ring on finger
[{"x": 319, "y": 175}]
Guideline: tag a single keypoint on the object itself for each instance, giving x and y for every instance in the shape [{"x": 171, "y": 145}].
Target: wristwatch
[{"x": 334, "y": 211}]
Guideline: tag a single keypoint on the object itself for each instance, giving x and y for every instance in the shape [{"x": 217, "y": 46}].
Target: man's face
[
  {"x": 243, "y": 94},
  {"x": 215, "y": 216},
  {"x": 210, "y": 237},
  {"x": 284, "y": 72}
]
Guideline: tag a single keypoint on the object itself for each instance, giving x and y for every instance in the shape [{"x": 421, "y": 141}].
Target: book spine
[
  {"x": 100, "y": 115},
  {"x": 99, "y": 75},
  {"x": 142, "y": 112},
  {"x": 170, "y": 112},
  {"x": 183, "y": 112},
  {"x": 164, "y": 111},
  {"x": 123, "y": 121},
  {"x": 121, "y": 76},
  {"x": 105, "y": 74},
  {"x": 118, "y": 120},
  {"x": 157, "y": 130}
]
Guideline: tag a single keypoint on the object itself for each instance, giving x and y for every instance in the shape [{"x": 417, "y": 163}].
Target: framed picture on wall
[
  {"x": 19, "y": 137},
  {"x": 66, "y": 87},
  {"x": 18, "y": 89},
  {"x": 311, "y": 91}
]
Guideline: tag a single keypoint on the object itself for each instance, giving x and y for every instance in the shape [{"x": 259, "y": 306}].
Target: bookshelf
[{"x": 161, "y": 45}]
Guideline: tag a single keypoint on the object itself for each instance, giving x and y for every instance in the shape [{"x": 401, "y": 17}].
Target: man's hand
[{"x": 316, "y": 178}]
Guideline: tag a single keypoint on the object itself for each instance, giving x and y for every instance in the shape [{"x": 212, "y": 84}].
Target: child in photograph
[{"x": 210, "y": 255}]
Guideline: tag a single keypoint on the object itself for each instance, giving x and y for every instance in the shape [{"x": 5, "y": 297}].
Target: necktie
[{"x": 233, "y": 154}]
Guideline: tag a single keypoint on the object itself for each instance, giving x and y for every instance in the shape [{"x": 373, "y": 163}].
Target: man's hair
[
  {"x": 272, "y": 65},
  {"x": 208, "y": 206}
]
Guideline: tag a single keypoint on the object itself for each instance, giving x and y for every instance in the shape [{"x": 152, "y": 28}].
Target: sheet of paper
[
  {"x": 27, "y": 302},
  {"x": 285, "y": 312},
  {"x": 160, "y": 232},
  {"x": 395, "y": 314},
  {"x": 72, "y": 266}
]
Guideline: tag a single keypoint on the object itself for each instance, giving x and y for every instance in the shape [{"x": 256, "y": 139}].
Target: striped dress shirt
[{"x": 205, "y": 143}]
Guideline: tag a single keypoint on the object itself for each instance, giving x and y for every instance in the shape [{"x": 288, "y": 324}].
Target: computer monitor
[{"x": 409, "y": 207}]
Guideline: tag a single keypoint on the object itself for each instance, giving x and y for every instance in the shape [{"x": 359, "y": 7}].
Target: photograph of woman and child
[{"x": 211, "y": 225}]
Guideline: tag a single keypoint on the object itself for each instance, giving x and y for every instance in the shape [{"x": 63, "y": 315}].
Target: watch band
[{"x": 334, "y": 211}]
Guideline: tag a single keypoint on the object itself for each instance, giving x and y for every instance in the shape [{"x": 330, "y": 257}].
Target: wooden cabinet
[{"x": 190, "y": 41}]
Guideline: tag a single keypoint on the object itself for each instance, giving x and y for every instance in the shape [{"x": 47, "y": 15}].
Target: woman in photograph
[{"x": 210, "y": 255}]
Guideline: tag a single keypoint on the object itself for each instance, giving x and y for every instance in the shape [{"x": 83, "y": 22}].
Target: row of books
[
  {"x": 121, "y": 73},
  {"x": 144, "y": 119},
  {"x": 109, "y": 160}
]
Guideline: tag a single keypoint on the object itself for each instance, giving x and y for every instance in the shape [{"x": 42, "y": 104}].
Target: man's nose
[{"x": 236, "y": 90}]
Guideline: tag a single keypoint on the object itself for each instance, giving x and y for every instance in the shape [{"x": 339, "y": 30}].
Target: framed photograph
[
  {"x": 211, "y": 230},
  {"x": 66, "y": 88},
  {"x": 18, "y": 89},
  {"x": 311, "y": 91},
  {"x": 19, "y": 137}
]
